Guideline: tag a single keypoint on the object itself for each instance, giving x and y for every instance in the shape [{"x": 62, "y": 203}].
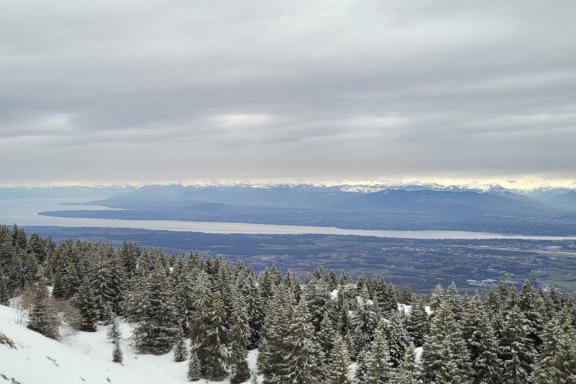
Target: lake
[{"x": 24, "y": 212}]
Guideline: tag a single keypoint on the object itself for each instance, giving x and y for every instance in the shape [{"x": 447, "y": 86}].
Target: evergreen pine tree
[
  {"x": 20, "y": 240},
  {"x": 66, "y": 271},
  {"x": 557, "y": 362},
  {"x": 364, "y": 322},
  {"x": 455, "y": 300},
  {"x": 337, "y": 372},
  {"x": 361, "y": 366},
  {"x": 43, "y": 318},
  {"x": 386, "y": 296},
  {"x": 239, "y": 333},
  {"x": 553, "y": 302},
  {"x": 255, "y": 308},
  {"x": 30, "y": 268},
  {"x": 379, "y": 368},
  {"x": 15, "y": 271},
  {"x": 133, "y": 309},
  {"x": 156, "y": 332},
  {"x": 361, "y": 283},
  {"x": 417, "y": 323},
  {"x": 194, "y": 370},
  {"x": 129, "y": 253},
  {"x": 38, "y": 248},
  {"x": 316, "y": 296},
  {"x": 84, "y": 301},
  {"x": 116, "y": 284},
  {"x": 117, "y": 353},
  {"x": 445, "y": 358},
  {"x": 212, "y": 343},
  {"x": 532, "y": 306},
  {"x": 437, "y": 297},
  {"x": 407, "y": 372},
  {"x": 113, "y": 332},
  {"x": 302, "y": 349},
  {"x": 515, "y": 348},
  {"x": 482, "y": 344},
  {"x": 272, "y": 350},
  {"x": 344, "y": 320},
  {"x": 396, "y": 336},
  {"x": 326, "y": 339},
  {"x": 180, "y": 353},
  {"x": 102, "y": 289},
  {"x": 4, "y": 294}
]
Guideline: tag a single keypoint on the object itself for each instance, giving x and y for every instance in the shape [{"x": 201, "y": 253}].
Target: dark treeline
[{"x": 308, "y": 329}]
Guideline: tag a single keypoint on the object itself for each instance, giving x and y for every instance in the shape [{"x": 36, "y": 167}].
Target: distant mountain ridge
[
  {"x": 566, "y": 200},
  {"x": 465, "y": 201},
  {"x": 411, "y": 207}
]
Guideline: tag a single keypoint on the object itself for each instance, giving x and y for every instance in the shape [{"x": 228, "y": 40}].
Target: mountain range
[{"x": 402, "y": 208}]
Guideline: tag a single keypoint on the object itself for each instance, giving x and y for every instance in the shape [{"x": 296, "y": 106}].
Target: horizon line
[{"x": 525, "y": 183}]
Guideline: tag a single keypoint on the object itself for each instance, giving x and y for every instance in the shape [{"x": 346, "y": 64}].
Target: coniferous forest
[{"x": 324, "y": 327}]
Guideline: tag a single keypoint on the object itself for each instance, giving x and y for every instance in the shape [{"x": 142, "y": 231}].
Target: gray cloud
[{"x": 157, "y": 90}]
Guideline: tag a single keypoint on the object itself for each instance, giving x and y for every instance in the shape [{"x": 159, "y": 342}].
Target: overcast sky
[{"x": 114, "y": 91}]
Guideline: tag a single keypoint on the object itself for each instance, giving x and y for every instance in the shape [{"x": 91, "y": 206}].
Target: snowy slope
[{"x": 81, "y": 358}]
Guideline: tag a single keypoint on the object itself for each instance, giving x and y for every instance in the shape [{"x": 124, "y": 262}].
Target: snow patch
[
  {"x": 334, "y": 294},
  {"x": 418, "y": 354},
  {"x": 84, "y": 357},
  {"x": 405, "y": 309}
]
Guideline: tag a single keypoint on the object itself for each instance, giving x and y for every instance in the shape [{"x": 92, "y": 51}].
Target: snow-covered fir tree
[
  {"x": 43, "y": 318},
  {"x": 397, "y": 337},
  {"x": 180, "y": 352},
  {"x": 4, "y": 293},
  {"x": 302, "y": 359},
  {"x": 407, "y": 372},
  {"x": 117, "y": 352},
  {"x": 316, "y": 296},
  {"x": 532, "y": 306},
  {"x": 85, "y": 302},
  {"x": 326, "y": 337},
  {"x": 114, "y": 335},
  {"x": 436, "y": 298},
  {"x": 239, "y": 335},
  {"x": 515, "y": 348},
  {"x": 156, "y": 332},
  {"x": 364, "y": 322},
  {"x": 417, "y": 323},
  {"x": 557, "y": 361},
  {"x": 211, "y": 337},
  {"x": 445, "y": 358},
  {"x": 482, "y": 344},
  {"x": 338, "y": 370},
  {"x": 194, "y": 369},
  {"x": 361, "y": 366},
  {"x": 379, "y": 368},
  {"x": 272, "y": 349}
]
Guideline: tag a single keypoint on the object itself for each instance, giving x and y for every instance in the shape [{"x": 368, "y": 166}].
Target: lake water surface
[{"x": 24, "y": 212}]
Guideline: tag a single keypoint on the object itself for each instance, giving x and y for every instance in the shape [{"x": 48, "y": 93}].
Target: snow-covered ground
[{"x": 81, "y": 358}]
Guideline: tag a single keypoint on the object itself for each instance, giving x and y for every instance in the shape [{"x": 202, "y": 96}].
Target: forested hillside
[{"x": 323, "y": 327}]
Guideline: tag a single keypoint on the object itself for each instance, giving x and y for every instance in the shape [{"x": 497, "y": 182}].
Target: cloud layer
[{"x": 156, "y": 90}]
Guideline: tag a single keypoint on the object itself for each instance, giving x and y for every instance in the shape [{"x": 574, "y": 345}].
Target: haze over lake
[{"x": 25, "y": 212}]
